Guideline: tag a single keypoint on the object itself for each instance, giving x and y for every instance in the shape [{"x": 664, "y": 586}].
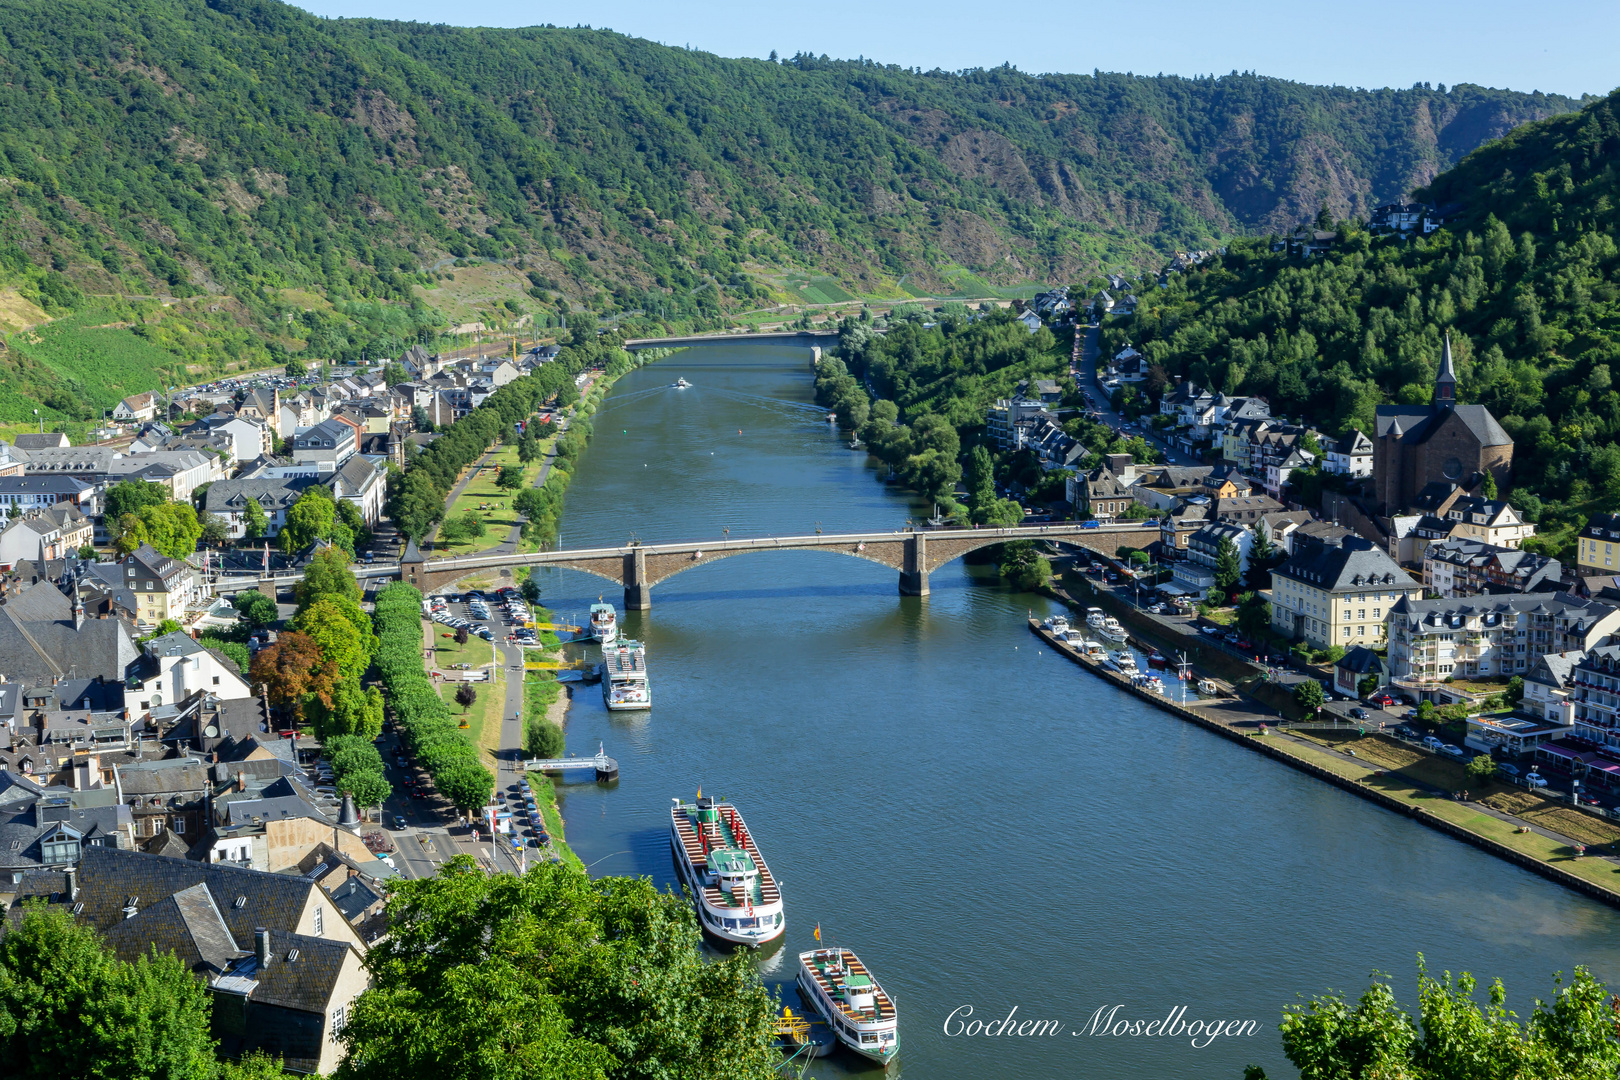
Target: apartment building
[
  {"x": 1491, "y": 637},
  {"x": 1338, "y": 593}
]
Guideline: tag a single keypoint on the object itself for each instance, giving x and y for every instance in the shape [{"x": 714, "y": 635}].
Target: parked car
[
  {"x": 1507, "y": 768},
  {"x": 1453, "y": 751},
  {"x": 1433, "y": 743},
  {"x": 399, "y": 821},
  {"x": 1405, "y": 732},
  {"x": 1535, "y": 780},
  {"x": 1383, "y": 701},
  {"x": 1359, "y": 713}
]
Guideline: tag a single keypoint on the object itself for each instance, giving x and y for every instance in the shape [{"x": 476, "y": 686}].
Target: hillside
[
  {"x": 1526, "y": 279},
  {"x": 332, "y": 187}
]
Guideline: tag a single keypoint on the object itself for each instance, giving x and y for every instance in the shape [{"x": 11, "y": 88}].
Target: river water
[{"x": 986, "y": 824}]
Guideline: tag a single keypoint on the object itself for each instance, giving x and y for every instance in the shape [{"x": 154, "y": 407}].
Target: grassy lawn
[
  {"x": 491, "y": 695},
  {"x": 545, "y": 797},
  {"x": 492, "y": 503},
  {"x": 1225, "y": 616}
]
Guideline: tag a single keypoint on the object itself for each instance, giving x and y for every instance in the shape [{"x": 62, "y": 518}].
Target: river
[{"x": 984, "y": 823}]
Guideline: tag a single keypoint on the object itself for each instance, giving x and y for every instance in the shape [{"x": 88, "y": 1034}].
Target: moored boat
[
  {"x": 1091, "y": 650},
  {"x": 1095, "y": 617},
  {"x": 604, "y": 622},
  {"x": 1058, "y": 625},
  {"x": 1208, "y": 688},
  {"x": 1122, "y": 661},
  {"x": 624, "y": 676},
  {"x": 1112, "y": 629},
  {"x": 860, "y": 1012},
  {"x": 1156, "y": 659},
  {"x": 736, "y": 897}
]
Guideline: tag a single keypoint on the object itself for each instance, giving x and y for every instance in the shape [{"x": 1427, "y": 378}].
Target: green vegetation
[
  {"x": 552, "y": 974},
  {"x": 270, "y": 185},
  {"x": 426, "y": 723},
  {"x": 1525, "y": 277},
  {"x": 1453, "y": 1035},
  {"x": 545, "y": 797}
]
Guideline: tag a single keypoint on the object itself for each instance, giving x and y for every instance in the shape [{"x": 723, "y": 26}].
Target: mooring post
[
  {"x": 914, "y": 578},
  {"x": 637, "y": 590}
]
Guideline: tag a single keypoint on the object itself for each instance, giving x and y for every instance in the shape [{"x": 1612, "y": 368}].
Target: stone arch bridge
[{"x": 638, "y": 567}]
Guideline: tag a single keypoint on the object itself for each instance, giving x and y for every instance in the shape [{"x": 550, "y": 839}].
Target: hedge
[{"x": 426, "y": 724}]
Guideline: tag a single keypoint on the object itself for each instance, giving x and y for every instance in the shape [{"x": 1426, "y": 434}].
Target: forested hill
[
  {"x": 293, "y": 166},
  {"x": 1526, "y": 280}
]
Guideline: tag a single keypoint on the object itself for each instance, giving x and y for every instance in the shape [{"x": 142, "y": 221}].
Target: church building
[{"x": 1444, "y": 442}]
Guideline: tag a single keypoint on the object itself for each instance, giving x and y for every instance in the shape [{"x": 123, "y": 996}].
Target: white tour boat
[
  {"x": 736, "y": 897},
  {"x": 860, "y": 1012},
  {"x": 1208, "y": 688},
  {"x": 624, "y": 676},
  {"x": 604, "y": 622}
]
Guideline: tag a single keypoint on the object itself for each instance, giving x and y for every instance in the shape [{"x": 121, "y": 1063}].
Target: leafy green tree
[
  {"x": 1263, "y": 556},
  {"x": 1309, "y": 695},
  {"x": 342, "y": 644},
  {"x": 1515, "y": 689},
  {"x": 510, "y": 478},
  {"x": 542, "y": 738},
  {"x": 1228, "y": 565},
  {"x": 1481, "y": 769},
  {"x": 394, "y": 373},
  {"x": 328, "y": 574},
  {"x": 131, "y": 496},
  {"x": 255, "y": 608},
  {"x": 1368, "y": 686},
  {"x": 68, "y": 1007},
  {"x": 529, "y": 450},
  {"x": 1023, "y": 566},
  {"x": 254, "y": 521},
  {"x": 530, "y": 589},
  {"x": 233, "y": 649},
  {"x": 309, "y": 519},
  {"x": 552, "y": 974},
  {"x": 1253, "y": 615},
  {"x": 1455, "y": 1036}
]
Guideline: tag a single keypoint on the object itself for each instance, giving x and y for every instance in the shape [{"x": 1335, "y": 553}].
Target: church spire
[{"x": 1445, "y": 383}]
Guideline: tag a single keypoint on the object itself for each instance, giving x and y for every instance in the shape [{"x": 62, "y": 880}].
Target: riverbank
[{"x": 1524, "y": 843}]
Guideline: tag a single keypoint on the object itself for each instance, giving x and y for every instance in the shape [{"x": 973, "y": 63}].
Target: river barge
[
  {"x": 859, "y": 1011},
  {"x": 736, "y": 898},
  {"x": 624, "y": 677}
]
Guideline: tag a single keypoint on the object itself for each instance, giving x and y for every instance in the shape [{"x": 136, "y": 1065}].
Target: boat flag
[
  {"x": 700, "y": 791},
  {"x": 818, "y": 931}
]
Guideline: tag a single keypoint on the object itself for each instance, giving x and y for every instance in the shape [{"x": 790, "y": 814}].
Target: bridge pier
[
  {"x": 914, "y": 572},
  {"x": 637, "y": 589}
]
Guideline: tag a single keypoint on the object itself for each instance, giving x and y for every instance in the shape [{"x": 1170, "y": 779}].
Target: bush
[{"x": 542, "y": 738}]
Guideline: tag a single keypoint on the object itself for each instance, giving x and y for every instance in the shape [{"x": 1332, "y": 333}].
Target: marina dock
[{"x": 606, "y": 768}]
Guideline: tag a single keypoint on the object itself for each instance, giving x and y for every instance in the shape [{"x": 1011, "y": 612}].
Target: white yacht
[
  {"x": 624, "y": 676},
  {"x": 736, "y": 897},
  {"x": 604, "y": 622},
  {"x": 1095, "y": 618},
  {"x": 1112, "y": 629},
  {"x": 1122, "y": 661},
  {"x": 681, "y": 384},
  {"x": 859, "y": 1011},
  {"x": 1058, "y": 625},
  {"x": 1091, "y": 650}
]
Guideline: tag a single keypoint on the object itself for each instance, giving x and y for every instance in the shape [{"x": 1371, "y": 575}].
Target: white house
[
  {"x": 177, "y": 666},
  {"x": 328, "y": 445},
  {"x": 1349, "y": 456},
  {"x": 365, "y": 484},
  {"x": 135, "y": 409},
  {"x": 1031, "y": 321}
]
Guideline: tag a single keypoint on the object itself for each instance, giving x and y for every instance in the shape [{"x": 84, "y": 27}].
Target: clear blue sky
[{"x": 1565, "y": 48}]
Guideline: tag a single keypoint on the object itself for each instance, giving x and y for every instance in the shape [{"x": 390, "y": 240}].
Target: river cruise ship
[
  {"x": 736, "y": 897},
  {"x": 858, "y": 1010},
  {"x": 604, "y": 623},
  {"x": 624, "y": 676}
]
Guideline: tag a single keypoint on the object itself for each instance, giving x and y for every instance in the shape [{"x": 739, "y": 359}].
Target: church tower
[{"x": 1445, "y": 383}]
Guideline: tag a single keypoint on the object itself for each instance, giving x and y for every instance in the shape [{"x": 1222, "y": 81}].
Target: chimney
[
  {"x": 349, "y": 817},
  {"x": 72, "y": 873},
  {"x": 241, "y": 780},
  {"x": 261, "y": 947}
]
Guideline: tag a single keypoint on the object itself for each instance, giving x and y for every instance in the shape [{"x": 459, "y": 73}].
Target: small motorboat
[
  {"x": 1157, "y": 659},
  {"x": 681, "y": 384},
  {"x": 832, "y": 418},
  {"x": 1058, "y": 625}
]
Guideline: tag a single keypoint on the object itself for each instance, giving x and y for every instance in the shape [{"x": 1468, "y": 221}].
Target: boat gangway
[{"x": 606, "y": 768}]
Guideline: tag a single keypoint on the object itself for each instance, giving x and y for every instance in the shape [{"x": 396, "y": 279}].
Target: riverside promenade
[{"x": 1526, "y": 843}]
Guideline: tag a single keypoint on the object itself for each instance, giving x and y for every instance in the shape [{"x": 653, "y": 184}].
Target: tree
[
  {"x": 254, "y": 521},
  {"x": 233, "y": 649},
  {"x": 394, "y": 373},
  {"x": 1488, "y": 488},
  {"x": 1481, "y": 769},
  {"x": 466, "y": 696},
  {"x": 255, "y": 608},
  {"x": 530, "y": 589},
  {"x": 215, "y": 530},
  {"x": 296, "y": 369},
  {"x": 419, "y": 419},
  {"x": 1228, "y": 565},
  {"x": 461, "y": 635},
  {"x": 130, "y": 496},
  {"x": 542, "y": 738},
  {"x": 328, "y": 574},
  {"x": 1368, "y": 686},
  {"x": 291, "y": 670},
  {"x": 510, "y": 478},
  {"x": 1309, "y": 695},
  {"x": 553, "y": 974},
  {"x": 567, "y": 395},
  {"x": 342, "y": 644},
  {"x": 309, "y": 519},
  {"x": 68, "y": 1007},
  {"x": 368, "y": 786},
  {"x": 1253, "y": 615},
  {"x": 1262, "y": 557},
  {"x": 1024, "y": 566},
  {"x": 1515, "y": 689},
  {"x": 529, "y": 447},
  {"x": 1454, "y": 1037}
]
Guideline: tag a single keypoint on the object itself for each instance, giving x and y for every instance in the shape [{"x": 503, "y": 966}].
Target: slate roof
[
  {"x": 38, "y": 642},
  {"x": 1362, "y": 661},
  {"x": 1416, "y": 423},
  {"x": 1555, "y": 669},
  {"x": 187, "y": 924},
  {"x": 273, "y": 494},
  {"x": 1349, "y": 564},
  {"x": 108, "y": 878}
]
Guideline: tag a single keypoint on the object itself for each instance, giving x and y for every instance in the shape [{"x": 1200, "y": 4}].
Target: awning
[
  {"x": 1558, "y": 751},
  {"x": 1172, "y": 590}
]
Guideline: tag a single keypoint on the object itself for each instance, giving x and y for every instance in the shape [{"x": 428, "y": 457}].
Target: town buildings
[
  {"x": 1338, "y": 593},
  {"x": 1490, "y": 637}
]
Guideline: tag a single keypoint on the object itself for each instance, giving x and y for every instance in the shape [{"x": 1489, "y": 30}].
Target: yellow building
[
  {"x": 162, "y": 588},
  {"x": 1338, "y": 593},
  {"x": 1597, "y": 550}
]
